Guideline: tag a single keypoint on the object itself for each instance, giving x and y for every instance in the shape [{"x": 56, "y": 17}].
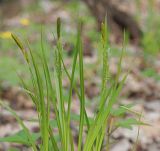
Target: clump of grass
[{"x": 48, "y": 93}]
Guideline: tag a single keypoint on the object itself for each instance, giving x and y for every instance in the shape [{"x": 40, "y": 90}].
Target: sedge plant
[{"x": 47, "y": 94}]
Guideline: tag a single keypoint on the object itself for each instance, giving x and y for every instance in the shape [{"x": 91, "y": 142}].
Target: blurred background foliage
[{"x": 25, "y": 18}]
